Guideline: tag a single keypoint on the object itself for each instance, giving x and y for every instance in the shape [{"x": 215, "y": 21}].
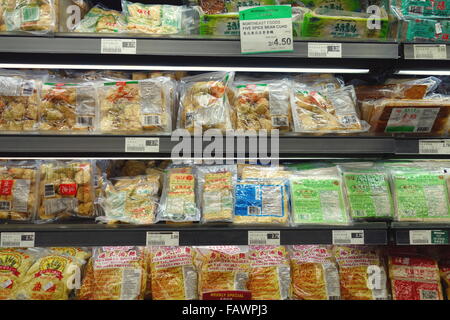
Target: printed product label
[
  {"x": 259, "y": 200},
  {"x": 227, "y": 295},
  {"x": 6, "y": 187},
  {"x": 420, "y": 120},
  {"x": 30, "y": 13},
  {"x": 131, "y": 283},
  {"x": 181, "y": 196},
  {"x": 68, "y": 189},
  {"x": 170, "y": 257}
]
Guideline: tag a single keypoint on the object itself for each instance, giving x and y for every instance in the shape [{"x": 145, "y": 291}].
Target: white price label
[
  {"x": 17, "y": 239},
  {"x": 264, "y": 238},
  {"x": 420, "y": 237},
  {"x": 430, "y": 51},
  {"x": 324, "y": 50},
  {"x": 163, "y": 238},
  {"x": 141, "y": 144},
  {"x": 118, "y": 46},
  {"x": 348, "y": 237},
  {"x": 435, "y": 146},
  {"x": 272, "y": 33}
]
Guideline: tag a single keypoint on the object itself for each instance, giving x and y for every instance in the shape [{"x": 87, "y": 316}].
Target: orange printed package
[
  {"x": 173, "y": 276},
  {"x": 362, "y": 275},
  {"x": 314, "y": 273},
  {"x": 269, "y": 273},
  {"x": 222, "y": 270},
  {"x": 115, "y": 273}
]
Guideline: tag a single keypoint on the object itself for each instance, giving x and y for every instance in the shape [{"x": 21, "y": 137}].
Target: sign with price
[{"x": 266, "y": 29}]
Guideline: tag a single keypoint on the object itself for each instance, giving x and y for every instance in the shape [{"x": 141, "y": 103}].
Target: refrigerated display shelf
[{"x": 418, "y": 233}]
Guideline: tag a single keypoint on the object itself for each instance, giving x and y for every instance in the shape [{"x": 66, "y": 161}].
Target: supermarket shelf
[
  {"x": 194, "y": 234},
  {"x": 402, "y": 232}
]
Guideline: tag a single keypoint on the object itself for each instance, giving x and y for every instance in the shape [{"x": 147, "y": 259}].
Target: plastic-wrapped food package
[
  {"x": 264, "y": 172},
  {"x": 262, "y": 105},
  {"x": 344, "y": 5},
  {"x": 444, "y": 270},
  {"x": 68, "y": 107},
  {"x": 223, "y": 24},
  {"x": 66, "y": 189},
  {"x": 18, "y": 190},
  {"x": 4, "y": 6},
  {"x": 216, "y": 192},
  {"x": 317, "y": 197},
  {"x": 329, "y": 111},
  {"x": 432, "y": 30},
  {"x": 261, "y": 201},
  {"x": 368, "y": 192},
  {"x": 319, "y": 81},
  {"x": 204, "y": 101},
  {"x": 135, "y": 106},
  {"x": 420, "y": 194},
  {"x": 314, "y": 273},
  {"x": 361, "y": 272},
  {"x": 100, "y": 19},
  {"x": 270, "y": 276},
  {"x": 414, "y": 278},
  {"x": 35, "y": 16},
  {"x": 76, "y": 252},
  {"x": 115, "y": 273},
  {"x": 222, "y": 269},
  {"x": 173, "y": 274},
  {"x": 131, "y": 199},
  {"x": 424, "y": 8},
  {"x": 393, "y": 91},
  {"x": 178, "y": 199}
]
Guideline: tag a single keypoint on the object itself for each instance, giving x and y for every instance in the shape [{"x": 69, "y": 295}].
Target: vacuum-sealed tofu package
[
  {"x": 317, "y": 197},
  {"x": 178, "y": 199},
  {"x": 264, "y": 172},
  {"x": 262, "y": 105},
  {"x": 204, "y": 102},
  {"x": 68, "y": 107},
  {"x": 130, "y": 199},
  {"x": 141, "y": 106},
  {"x": 361, "y": 272},
  {"x": 270, "y": 274},
  {"x": 18, "y": 190},
  {"x": 115, "y": 273},
  {"x": 328, "y": 111},
  {"x": 66, "y": 189},
  {"x": 223, "y": 270},
  {"x": 216, "y": 192},
  {"x": 261, "y": 201},
  {"x": 35, "y": 16},
  {"x": 100, "y": 19},
  {"x": 173, "y": 275},
  {"x": 314, "y": 273}
]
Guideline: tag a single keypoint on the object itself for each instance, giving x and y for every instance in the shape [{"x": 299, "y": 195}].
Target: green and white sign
[
  {"x": 266, "y": 29},
  {"x": 418, "y": 237}
]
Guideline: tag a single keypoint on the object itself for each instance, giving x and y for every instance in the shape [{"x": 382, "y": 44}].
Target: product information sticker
[{"x": 266, "y": 29}]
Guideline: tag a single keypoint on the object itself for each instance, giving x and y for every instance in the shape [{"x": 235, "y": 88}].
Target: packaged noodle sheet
[
  {"x": 420, "y": 194},
  {"x": 77, "y": 252},
  {"x": 131, "y": 199},
  {"x": 222, "y": 269},
  {"x": 262, "y": 105},
  {"x": 66, "y": 189},
  {"x": 270, "y": 277},
  {"x": 264, "y": 172},
  {"x": 204, "y": 101},
  {"x": 178, "y": 199},
  {"x": 68, "y": 107},
  {"x": 414, "y": 278},
  {"x": 18, "y": 190},
  {"x": 314, "y": 273},
  {"x": 216, "y": 192},
  {"x": 35, "y": 16},
  {"x": 261, "y": 201},
  {"x": 317, "y": 197},
  {"x": 135, "y": 106},
  {"x": 361, "y": 272},
  {"x": 115, "y": 273},
  {"x": 100, "y": 19},
  {"x": 173, "y": 275}
]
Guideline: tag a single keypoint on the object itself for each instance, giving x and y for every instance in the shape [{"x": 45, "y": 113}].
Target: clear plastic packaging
[
  {"x": 100, "y": 19},
  {"x": 204, "y": 101},
  {"x": 141, "y": 106},
  {"x": 264, "y": 172},
  {"x": 216, "y": 192},
  {"x": 315, "y": 274},
  {"x": 81, "y": 253},
  {"x": 319, "y": 81},
  {"x": 35, "y": 16}
]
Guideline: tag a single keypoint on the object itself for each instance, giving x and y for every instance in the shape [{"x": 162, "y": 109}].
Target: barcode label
[
  {"x": 279, "y": 121},
  {"x": 324, "y": 50},
  {"x": 17, "y": 239},
  {"x": 349, "y": 120},
  {"x": 152, "y": 120},
  {"x": 416, "y": 9},
  {"x": 118, "y": 46},
  {"x": 348, "y": 236},
  {"x": 85, "y": 121},
  {"x": 264, "y": 238},
  {"x": 434, "y": 146},
  {"x": 49, "y": 190},
  {"x": 163, "y": 238},
  {"x": 27, "y": 88},
  {"x": 431, "y": 52},
  {"x": 5, "y": 205},
  {"x": 428, "y": 295},
  {"x": 254, "y": 211},
  {"x": 141, "y": 144}
]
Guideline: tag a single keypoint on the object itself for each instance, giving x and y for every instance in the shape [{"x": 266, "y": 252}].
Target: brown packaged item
[{"x": 391, "y": 91}]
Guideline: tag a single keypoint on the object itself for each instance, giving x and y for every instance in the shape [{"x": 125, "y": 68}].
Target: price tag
[
  {"x": 163, "y": 238},
  {"x": 324, "y": 50},
  {"x": 17, "y": 239},
  {"x": 264, "y": 238},
  {"x": 424, "y": 237},
  {"x": 141, "y": 144},
  {"x": 430, "y": 51},
  {"x": 348, "y": 237},
  {"x": 266, "y": 29},
  {"x": 118, "y": 46},
  {"x": 435, "y": 146}
]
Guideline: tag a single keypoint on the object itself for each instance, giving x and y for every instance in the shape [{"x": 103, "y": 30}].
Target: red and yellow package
[
  {"x": 270, "y": 277},
  {"x": 414, "y": 278},
  {"x": 173, "y": 276}
]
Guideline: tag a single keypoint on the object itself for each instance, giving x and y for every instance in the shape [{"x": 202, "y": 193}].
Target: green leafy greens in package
[
  {"x": 100, "y": 19},
  {"x": 35, "y": 16}
]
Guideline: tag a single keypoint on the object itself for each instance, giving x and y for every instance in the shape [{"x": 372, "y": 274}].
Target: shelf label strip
[
  {"x": 348, "y": 237},
  {"x": 324, "y": 50},
  {"x": 118, "y": 46},
  {"x": 17, "y": 239},
  {"x": 150, "y": 145},
  {"x": 435, "y": 146},
  {"x": 430, "y": 51},
  {"x": 170, "y": 238},
  {"x": 428, "y": 237},
  {"x": 264, "y": 238}
]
